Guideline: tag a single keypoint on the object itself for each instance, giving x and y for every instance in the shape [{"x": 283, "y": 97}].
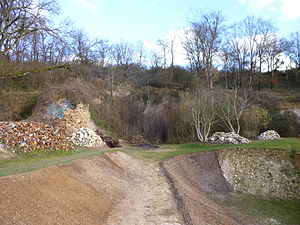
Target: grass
[
  {"x": 168, "y": 151},
  {"x": 26, "y": 162},
  {"x": 284, "y": 143},
  {"x": 264, "y": 211},
  {"x": 283, "y": 211}
]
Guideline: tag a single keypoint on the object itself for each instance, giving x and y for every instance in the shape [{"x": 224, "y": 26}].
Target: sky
[
  {"x": 135, "y": 20},
  {"x": 150, "y": 20}
]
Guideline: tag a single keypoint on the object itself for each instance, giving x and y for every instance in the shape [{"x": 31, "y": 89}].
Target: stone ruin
[{"x": 227, "y": 138}]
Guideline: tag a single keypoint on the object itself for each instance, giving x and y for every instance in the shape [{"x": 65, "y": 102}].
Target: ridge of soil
[
  {"x": 193, "y": 177},
  {"x": 108, "y": 189}
]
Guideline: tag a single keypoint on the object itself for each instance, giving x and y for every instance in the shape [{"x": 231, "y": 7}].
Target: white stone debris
[
  {"x": 227, "y": 138},
  {"x": 86, "y": 137},
  {"x": 268, "y": 135}
]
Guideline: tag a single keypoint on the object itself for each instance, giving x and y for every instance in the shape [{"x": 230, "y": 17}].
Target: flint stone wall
[{"x": 263, "y": 172}]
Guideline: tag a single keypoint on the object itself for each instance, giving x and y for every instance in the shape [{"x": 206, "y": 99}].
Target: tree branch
[{"x": 24, "y": 73}]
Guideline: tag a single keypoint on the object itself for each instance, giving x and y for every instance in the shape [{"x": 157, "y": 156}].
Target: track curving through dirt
[
  {"x": 118, "y": 189},
  {"x": 108, "y": 189}
]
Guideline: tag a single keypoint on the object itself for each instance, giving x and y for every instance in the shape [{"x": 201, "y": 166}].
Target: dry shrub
[
  {"x": 286, "y": 124},
  {"x": 75, "y": 91},
  {"x": 254, "y": 120},
  {"x": 16, "y": 105},
  {"x": 121, "y": 115},
  {"x": 179, "y": 129}
]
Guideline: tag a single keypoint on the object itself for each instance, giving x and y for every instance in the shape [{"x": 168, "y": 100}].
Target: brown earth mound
[
  {"x": 193, "y": 177},
  {"x": 83, "y": 192},
  {"x": 111, "y": 189}
]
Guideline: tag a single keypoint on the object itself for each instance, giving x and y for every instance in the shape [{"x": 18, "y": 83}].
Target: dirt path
[
  {"x": 107, "y": 189},
  {"x": 148, "y": 199}
]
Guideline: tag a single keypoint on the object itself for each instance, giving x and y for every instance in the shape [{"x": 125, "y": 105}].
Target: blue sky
[{"x": 134, "y": 20}]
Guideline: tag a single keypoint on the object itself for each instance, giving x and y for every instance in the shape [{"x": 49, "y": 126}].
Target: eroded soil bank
[
  {"x": 268, "y": 173},
  {"x": 192, "y": 177},
  {"x": 106, "y": 189},
  {"x": 118, "y": 189},
  {"x": 200, "y": 186}
]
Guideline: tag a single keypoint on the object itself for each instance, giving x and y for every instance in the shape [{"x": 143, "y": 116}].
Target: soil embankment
[
  {"x": 192, "y": 177},
  {"x": 267, "y": 173},
  {"x": 204, "y": 180},
  {"x": 117, "y": 189},
  {"x": 106, "y": 189},
  {"x": 83, "y": 192}
]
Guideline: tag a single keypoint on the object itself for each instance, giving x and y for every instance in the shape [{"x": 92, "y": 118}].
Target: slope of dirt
[
  {"x": 106, "y": 189},
  {"x": 193, "y": 177},
  {"x": 148, "y": 199}
]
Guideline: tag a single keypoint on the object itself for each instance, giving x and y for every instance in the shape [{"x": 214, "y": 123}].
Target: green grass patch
[
  {"x": 40, "y": 159},
  {"x": 284, "y": 143},
  {"x": 264, "y": 211},
  {"x": 25, "y": 162},
  {"x": 284, "y": 211},
  {"x": 168, "y": 151}
]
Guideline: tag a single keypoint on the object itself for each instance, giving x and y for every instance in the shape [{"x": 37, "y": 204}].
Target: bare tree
[
  {"x": 251, "y": 34},
  {"x": 264, "y": 41},
  {"x": 272, "y": 57},
  {"x": 191, "y": 44},
  {"x": 232, "y": 105},
  {"x": 156, "y": 60},
  {"x": 123, "y": 54},
  {"x": 167, "y": 49},
  {"x": 237, "y": 48},
  {"x": 20, "y": 18},
  {"x": 294, "y": 48},
  {"x": 202, "y": 110},
  {"x": 164, "y": 48},
  {"x": 172, "y": 50},
  {"x": 82, "y": 47},
  {"x": 205, "y": 40},
  {"x": 140, "y": 49},
  {"x": 103, "y": 49}
]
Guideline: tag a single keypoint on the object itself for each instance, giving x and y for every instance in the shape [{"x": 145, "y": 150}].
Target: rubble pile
[
  {"x": 138, "y": 140},
  {"x": 75, "y": 119},
  {"x": 31, "y": 136},
  {"x": 110, "y": 142},
  {"x": 4, "y": 153},
  {"x": 86, "y": 137},
  {"x": 227, "y": 138},
  {"x": 268, "y": 135}
]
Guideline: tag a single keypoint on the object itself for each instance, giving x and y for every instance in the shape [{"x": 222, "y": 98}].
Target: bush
[
  {"x": 285, "y": 124},
  {"x": 254, "y": 120}
]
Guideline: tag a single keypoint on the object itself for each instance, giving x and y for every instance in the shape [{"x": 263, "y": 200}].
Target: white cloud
[
  {"x": 288, "y": 9},
  {"x": 291, "y": 8},
  {"x": 88, "y": 4},
  {"x": 175, "y": 36}
]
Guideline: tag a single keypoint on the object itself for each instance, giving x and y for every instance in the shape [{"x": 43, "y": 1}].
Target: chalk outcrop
[
  {"x": 85, "y": 137},
  {"x": 269, "y": 173},
  {"x": 268, "y": 135},
  {"x": 227, "y": 138}
]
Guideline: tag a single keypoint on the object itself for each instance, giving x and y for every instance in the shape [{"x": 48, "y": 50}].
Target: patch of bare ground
[
  {"x": 106, "y": 189},
  {"x": 148, "y": 199},
  {"x": 193, "y": 178}
]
